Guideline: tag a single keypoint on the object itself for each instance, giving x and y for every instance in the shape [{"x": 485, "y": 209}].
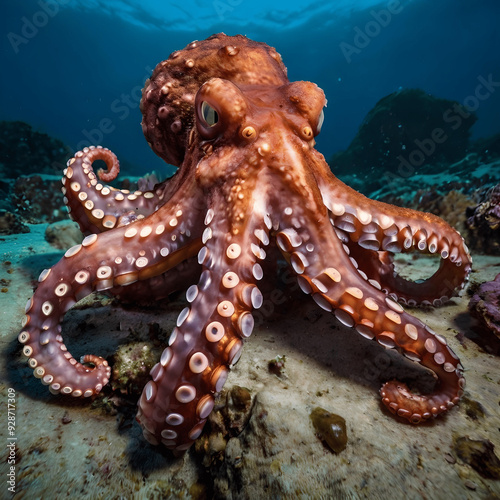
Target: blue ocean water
[{"x": 74, "y": 69}]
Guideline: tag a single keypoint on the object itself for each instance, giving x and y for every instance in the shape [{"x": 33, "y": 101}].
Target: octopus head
[
  {"x": 168, "y": 97},
  {"x": 241, "y": 127}
]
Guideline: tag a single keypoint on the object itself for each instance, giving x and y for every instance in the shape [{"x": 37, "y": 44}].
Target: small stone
[
  {"x": 277, "y": 365},
  {"x": 63, "y": 234},
  {"x": 66, "y": 419},
  {"x": 471, "y": 485},
  {"x": 330, "y": 428}
]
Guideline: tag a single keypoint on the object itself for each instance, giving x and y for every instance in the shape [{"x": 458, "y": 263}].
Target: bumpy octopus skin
[{"x": 242, "y": 135}]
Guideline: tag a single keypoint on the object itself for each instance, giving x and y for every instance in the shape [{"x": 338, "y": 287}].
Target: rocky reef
[
  {"x": 404, "y": 132},
  {"x": 485, "y": 305},
  {"x": 488, "y": 148},
  {"x": 31, "y": 165},
  {"x": 25, "y": 151},
  {"x": 414, "y": 150}
]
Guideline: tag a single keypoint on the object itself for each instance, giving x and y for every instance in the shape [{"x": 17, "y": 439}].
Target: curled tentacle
[
  {"x": 208, "y": 337},
  {"x": 95, "y": 265},
  {"x": 167, "y": 98},
  {"x": 97, "y": 207},
  {"x": 382, "y": 229},
  {"x": 343, "y": 290},
  {"x": 112, "y": 163},
  {"x": 436, "y": 290}
]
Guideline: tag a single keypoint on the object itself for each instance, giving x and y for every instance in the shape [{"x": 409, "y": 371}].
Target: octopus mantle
[{"x": 242, "y": 135}]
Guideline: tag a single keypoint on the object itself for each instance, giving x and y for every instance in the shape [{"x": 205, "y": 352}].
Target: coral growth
[
  {"x": 38, "y": 199},
  {"x": 10, "y": 224},
  {"x": 484, "y": 221},
  {"x": 229, "y": 418},
  {"x": 131, "y": 367},
  {"x": 450, "y": 206}
]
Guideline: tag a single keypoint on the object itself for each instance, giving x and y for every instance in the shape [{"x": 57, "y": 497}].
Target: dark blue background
[{"x": 83, "y": 70}]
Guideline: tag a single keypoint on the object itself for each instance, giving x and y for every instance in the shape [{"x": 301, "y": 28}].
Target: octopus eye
[
  {"x": 209, "y": 114},
  {"x": 321, "y": 119}
]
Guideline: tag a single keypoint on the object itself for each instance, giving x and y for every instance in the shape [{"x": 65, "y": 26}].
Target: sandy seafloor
[{"x": 68, "y": 448}]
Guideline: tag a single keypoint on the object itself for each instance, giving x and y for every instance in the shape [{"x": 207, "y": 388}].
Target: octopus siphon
[{"x": 249, "y": 178}]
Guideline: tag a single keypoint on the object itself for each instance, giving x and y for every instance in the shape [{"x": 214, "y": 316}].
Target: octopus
[{"x": 250, "y": 185}]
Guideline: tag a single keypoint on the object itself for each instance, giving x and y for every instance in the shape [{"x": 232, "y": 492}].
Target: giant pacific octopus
[{"x": 249, "y": 177}]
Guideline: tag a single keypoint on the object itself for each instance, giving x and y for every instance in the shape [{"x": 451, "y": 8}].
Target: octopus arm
[
  {"x": 99, "y": 263},
  {"x": 209, "y": 334},
  {"x": 97, "y": 207},
  {"x": 435, "y": 290},
  {"x": 332, "y": 277},
  {"x": 380, "y": 229}
]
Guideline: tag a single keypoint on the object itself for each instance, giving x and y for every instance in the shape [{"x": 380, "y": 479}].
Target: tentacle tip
[
  {"x": 414, "y": 408},
  {"x": 112, "y": 163},
  {"x": 105, "y": 175}
]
